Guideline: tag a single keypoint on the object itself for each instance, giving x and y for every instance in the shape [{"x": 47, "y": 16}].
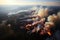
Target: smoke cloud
[{"x": 43, "y": 12}]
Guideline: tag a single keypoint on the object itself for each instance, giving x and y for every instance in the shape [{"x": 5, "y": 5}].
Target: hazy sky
[
  {"x": 40, "y": 0},
  {"x": 30, "y": 2}
]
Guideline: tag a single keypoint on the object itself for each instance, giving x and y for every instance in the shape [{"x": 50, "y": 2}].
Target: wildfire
[{"x": 42, "y": 25}]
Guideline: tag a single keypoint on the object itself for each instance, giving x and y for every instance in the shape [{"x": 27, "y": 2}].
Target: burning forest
[{"x": 33, "y": 24}]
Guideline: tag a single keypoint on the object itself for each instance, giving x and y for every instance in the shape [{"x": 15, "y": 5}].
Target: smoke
[
  {"x": 53, "y": 18},
  {"x": 43, "y": 12},
  {"x": 46, "y": 11},
  {"x": 34, "y": 8},
  {"x": 58, "y": 14}
]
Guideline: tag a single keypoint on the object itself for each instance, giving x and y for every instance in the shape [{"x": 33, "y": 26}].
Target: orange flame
[{"x": 49, "y": 33}]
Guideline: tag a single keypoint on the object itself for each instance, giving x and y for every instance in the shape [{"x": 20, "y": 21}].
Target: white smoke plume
[
  {"x": 43, "y": 12},
  {"x": 58, "y": 14}
]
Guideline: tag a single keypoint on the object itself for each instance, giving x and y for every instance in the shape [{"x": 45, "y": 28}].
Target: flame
[{"x": 49, "y": 33}]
